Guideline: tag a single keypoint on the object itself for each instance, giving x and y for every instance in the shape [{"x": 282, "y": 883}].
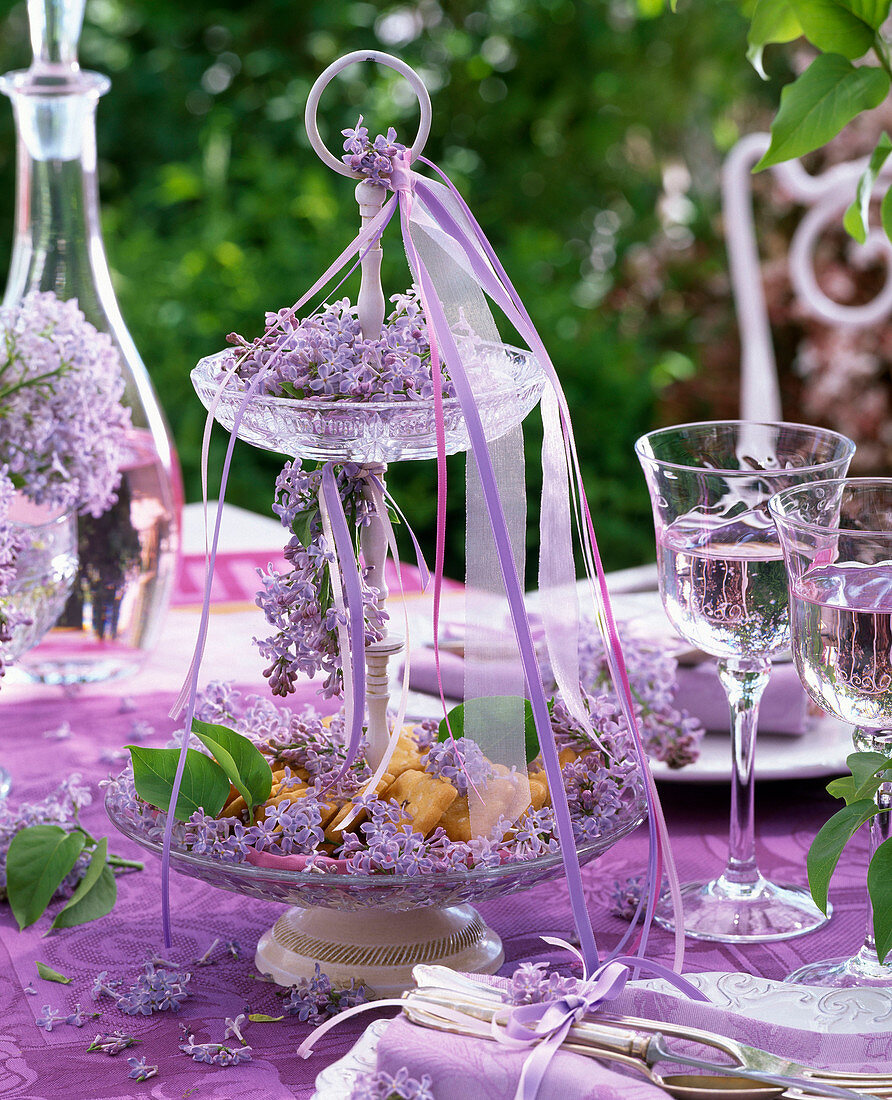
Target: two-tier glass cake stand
[{"x": 373, "y": 927}]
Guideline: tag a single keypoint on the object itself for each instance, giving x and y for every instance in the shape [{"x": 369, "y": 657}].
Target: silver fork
[{"x": 642, "y": 1045}]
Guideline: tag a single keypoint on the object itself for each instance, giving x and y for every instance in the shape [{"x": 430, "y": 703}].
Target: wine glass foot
[
  {"x": 861, "y": 969},
  {"x": 727, "y": 912},
  {"x": 5, "y": 783}
]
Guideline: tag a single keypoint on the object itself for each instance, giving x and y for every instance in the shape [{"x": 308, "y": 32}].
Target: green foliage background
[{"x": 556, "y": 120}]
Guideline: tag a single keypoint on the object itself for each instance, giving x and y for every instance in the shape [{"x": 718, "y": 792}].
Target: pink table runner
[{"x": 42, "y": 1066}]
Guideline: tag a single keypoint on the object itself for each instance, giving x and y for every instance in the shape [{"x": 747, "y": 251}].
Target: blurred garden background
[{"x": 587, "y": 137}]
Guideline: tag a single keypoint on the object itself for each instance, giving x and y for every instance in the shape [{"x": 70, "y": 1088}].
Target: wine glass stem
[{"x": 744, "y": 680}]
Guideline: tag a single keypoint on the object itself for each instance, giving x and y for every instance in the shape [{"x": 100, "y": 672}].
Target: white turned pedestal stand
[{"x": 375, "y": 946}]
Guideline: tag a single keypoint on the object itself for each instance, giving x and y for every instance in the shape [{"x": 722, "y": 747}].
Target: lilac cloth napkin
[
  {"x": 461, "y": 1067},
  {"x": 782, "y": 709}
]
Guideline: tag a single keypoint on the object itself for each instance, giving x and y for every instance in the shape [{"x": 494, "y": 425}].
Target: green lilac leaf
[
  {"x": 819, "y": 103},
  {"x": 879, "y": 886},
  {"x": 95, "y": 895},
  {"x": 856, "y": 216},
  {"x": 826, "y": 848},
  {"x": 772, "y": 21},
  {"x": 302, "y": 525},
  {"x": 866, "y": 768},
  {"x": 834, "y": 27},
  {"x": 843, "y": 787},
  {"x": 886, "y": 213},
  {"x": 873, "y": 12},
  {"x": 97, "y": 903},
  {"x": 491, "y": 706},
  {"x": 245, "y": 766},
  {"x": 205, "y": 785},
  {"x": 50, "y": 975},
  {"x": 260, "y": 1018},
  {"x": 38, "y": 859}
]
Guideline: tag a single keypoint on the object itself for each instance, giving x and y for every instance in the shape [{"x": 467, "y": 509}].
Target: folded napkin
[
  {"x": 782, "y": 710},
  {"x": 461, "y": 1067}
]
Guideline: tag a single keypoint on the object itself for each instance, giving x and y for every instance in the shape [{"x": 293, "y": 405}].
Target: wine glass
[
  {"x": 837, "y": 542},
  {"x": 723, "y": 585},
  {"x": 44, "y": 571}
]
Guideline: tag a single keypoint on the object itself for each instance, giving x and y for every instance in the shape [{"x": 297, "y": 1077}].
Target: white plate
[
  {"x": 857, "y": 1011},
  {"x": 336, "y": 1081},
  {"x": 820, "y": 752}
]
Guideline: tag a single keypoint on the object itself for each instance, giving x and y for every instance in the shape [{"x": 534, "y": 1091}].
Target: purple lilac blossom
[
  {"x": 112, "y": 1043},
  {"x": 626, "y": 895},
  {"x": 314, "y": 1000},
  {"x": 372, "y": 159},
  {"x": 378, "y": 1084},
  {"x": 234, "y": 1027},
  {"x": 11, "y": 545},
  {"x": 603, "y": 783},
  {"x": 49, "y": 1017},
  {"x": 63, "y": 429},
  {"x": 155, "y": 990},
  {"x": 61, "y": 732},
  {"x": 425, "y": 733},
  {"x": 215, "y": 1054},
  {"x": 296, "y": 603},
  {"x": 325, "y": 356},
  {"x": 668, "y": 734},
  {"x": 532, "y": 983},
  {"x": 78, "y": 1018},
  {"x": 140, "y": 1070},
  {"x": 460, "y": 761}
]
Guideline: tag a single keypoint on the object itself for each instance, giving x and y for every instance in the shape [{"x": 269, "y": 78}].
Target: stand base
[
  {"x": 377, "y": 948},
  {"x": 858, "y": 971},
  {"x": 726, "y": 912}
]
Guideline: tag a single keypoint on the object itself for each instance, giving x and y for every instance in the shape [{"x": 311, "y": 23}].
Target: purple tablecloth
[{"x": 41, "y": 1066}]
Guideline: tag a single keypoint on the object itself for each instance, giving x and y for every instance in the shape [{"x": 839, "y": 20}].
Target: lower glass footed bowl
[
  {"x": 353, "y": 892},
  {"x": 507, "y": 381}
]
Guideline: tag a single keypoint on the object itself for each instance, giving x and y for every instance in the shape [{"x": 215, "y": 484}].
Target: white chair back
[{"x": 826, "y": 197}]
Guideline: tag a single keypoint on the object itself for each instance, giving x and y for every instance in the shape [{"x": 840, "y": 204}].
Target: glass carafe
[{"x": 128, "y": 555}]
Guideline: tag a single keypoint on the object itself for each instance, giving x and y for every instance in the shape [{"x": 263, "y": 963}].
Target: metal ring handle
[{"x": 322, "y": 81}]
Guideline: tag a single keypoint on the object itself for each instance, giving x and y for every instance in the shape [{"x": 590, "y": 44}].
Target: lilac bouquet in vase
[{"x": 62, "y": 432}]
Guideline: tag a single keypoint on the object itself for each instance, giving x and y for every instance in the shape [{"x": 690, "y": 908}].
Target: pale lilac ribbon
[
  {"x": 355, "y": 619},
  {"x": 538, "y": 702},
  {"x": 486, "y": 268}
]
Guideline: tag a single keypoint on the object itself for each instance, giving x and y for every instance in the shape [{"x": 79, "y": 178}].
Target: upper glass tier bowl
[{"x": 507, "y": 380}]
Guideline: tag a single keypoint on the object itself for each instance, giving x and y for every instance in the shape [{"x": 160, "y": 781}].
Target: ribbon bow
[{"x": 541, "y": 1028}]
